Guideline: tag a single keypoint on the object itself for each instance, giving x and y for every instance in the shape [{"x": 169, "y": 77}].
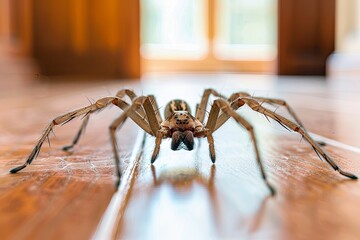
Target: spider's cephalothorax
[{"x": 180, "y": 125}]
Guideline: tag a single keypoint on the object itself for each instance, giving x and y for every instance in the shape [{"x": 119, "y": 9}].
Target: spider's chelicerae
[{"x": 181, "y": 126}]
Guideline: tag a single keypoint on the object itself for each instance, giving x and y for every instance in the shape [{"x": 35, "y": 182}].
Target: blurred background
[{"x": 125, "y": 39}]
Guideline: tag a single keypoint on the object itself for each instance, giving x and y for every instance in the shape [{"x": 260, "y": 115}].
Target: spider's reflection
[
  {"x": 183, "y": 182},
  {"x": 183, "y": 178}
]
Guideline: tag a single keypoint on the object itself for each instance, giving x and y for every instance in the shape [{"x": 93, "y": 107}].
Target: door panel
[
  {"x": 87, "y": 37},
  {"x": 306, "y": 36}
]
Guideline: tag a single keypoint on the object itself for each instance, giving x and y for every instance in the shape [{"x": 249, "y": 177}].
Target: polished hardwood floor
[{"x": 71, "y": 195}]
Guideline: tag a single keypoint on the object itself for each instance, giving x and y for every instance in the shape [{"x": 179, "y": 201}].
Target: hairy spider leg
[
  {"x": 149, "y": 125},
  {"x": 225, "y": 107},
  {"x": 80, "y": 132},
  {"x": 120, "y": 94},
  {"x": 224, "y": 117},
  {"x": 280, "y": 102},
  {"x": 159, "y": 137},
  {"x": 126, "y": 92},
  {"x": 63, "y": 119},
  {"x": 116, "y": 124},
  {"x": 254, "y": 105},
  {"x": 201, "y": 108},
  {"x": 156, "y": 108}
]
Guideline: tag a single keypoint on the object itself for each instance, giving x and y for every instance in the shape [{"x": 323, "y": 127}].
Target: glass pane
[
  {"x": 173, "y": 28},
  {"x": 246, "y": 29}
]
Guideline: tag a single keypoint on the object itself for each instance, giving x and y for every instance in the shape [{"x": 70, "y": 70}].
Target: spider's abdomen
[{"x": 176, "y": 105}]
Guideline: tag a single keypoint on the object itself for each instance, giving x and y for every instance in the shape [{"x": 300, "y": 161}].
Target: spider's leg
[
  {"x": 280, "y": 102},
  {"x": 120, "y": 94},
  {"x": 79, "y": 133},
  {"x": 290, "y": 110},
  {"x": 197, "y": 109},
  {"x": 113, "y": 127},
  {"x": 159, "y": 134},
  {"x": 156, "y": 108},
  {"x": 134, "y": 111},
  {"x": 159, "y": 137},
  {"x": 297, "y": 128},
  {"x": 63, "y": 119},
  {"x": 225, "y": 107},
  {"x": 234, "y": 105},
  {"x": 130, "y": 93},
  {"x": 154, "y": 119},
  {"x": 150, "y": 114},
  {"x": 152, "y": 125},
  {"x": 223, "y": 117},
  {"x": 200, "y": 115},
  {"x": 149, "y": 124},
  {"x": 201, "y": 108}
]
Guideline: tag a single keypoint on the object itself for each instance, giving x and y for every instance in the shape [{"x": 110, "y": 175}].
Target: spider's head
[{"x": 182, "y": 126}]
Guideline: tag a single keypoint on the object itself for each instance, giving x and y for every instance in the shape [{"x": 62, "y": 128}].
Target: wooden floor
[{"x": 182, "y": 196}]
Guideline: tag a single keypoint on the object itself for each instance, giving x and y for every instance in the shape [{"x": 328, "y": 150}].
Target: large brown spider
[{"x": 181, "y": 126}]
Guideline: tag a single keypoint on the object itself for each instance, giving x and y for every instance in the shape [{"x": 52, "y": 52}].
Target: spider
[{"x": 181, "y": 126}]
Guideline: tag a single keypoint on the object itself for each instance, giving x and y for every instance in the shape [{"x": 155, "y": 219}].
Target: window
[
  {"x": 246, "y": 29},
  {"x": 173, "y": 29},
  {"x": 208, "y": 35}
]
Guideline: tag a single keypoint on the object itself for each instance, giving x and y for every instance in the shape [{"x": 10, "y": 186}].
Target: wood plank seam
[
  {"x": 335, "y": 143},
  {"x": 108, "y": 226}
]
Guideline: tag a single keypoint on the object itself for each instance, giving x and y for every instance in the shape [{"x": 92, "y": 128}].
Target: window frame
[{"x": 211, "y": 62}]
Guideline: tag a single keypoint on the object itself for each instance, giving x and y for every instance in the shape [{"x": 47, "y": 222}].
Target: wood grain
[{"x": 182, "y": 196}]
